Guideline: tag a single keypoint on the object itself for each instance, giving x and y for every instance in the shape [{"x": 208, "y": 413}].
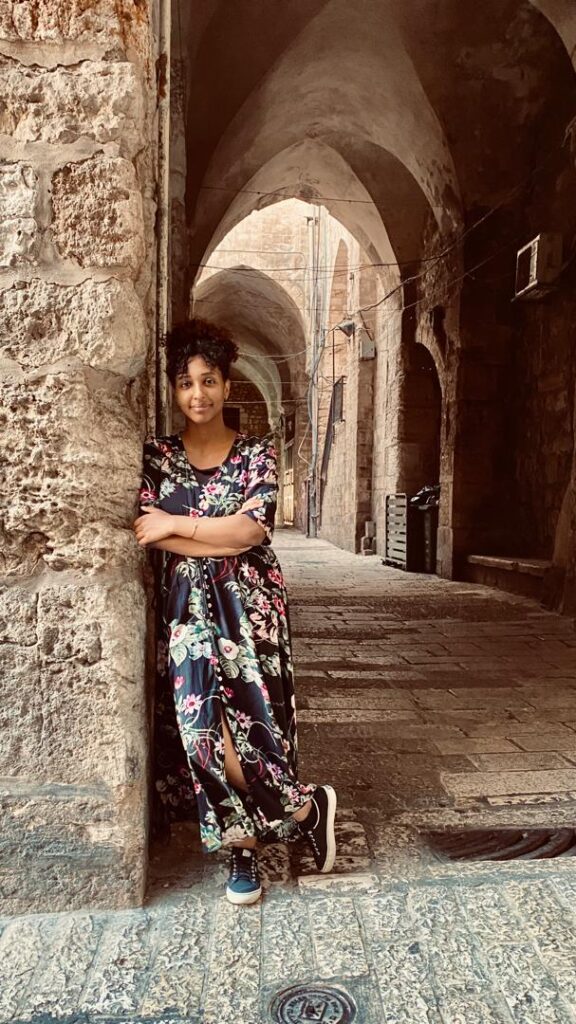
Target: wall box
[
  {"x": 366, "y": 345},
  {"x": 538, "y": 265}
]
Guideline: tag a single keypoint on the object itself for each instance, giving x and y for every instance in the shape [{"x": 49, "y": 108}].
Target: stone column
[{"x": 77, "y": 179}]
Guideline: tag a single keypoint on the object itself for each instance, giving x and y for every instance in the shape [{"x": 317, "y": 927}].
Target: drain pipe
[{"x": 163, "y": 212}]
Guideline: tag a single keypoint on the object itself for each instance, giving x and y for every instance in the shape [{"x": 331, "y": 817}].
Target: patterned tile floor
[{"x": 427, "y": 704}]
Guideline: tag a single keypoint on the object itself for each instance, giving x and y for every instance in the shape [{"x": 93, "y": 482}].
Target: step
[{"x": 516, "y": 574}]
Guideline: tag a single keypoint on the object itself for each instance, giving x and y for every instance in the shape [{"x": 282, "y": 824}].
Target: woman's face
[{"x": 201, "y": 391}]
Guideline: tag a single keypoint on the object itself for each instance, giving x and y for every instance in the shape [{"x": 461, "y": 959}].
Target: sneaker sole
[
  {"x": 243, "y": 897},
  {"x": 330, "y": 837}
]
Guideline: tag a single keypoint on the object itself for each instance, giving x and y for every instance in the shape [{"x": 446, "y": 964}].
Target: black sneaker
[
  {"x": 244, "y": 879},
  {"x": 318, "y": 827}
]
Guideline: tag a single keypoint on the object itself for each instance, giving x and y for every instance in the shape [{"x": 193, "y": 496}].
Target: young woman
[{"x": 208, "y": 499}]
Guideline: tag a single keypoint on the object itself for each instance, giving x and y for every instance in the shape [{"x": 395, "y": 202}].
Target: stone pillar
[{"x": 77, "y": 180}]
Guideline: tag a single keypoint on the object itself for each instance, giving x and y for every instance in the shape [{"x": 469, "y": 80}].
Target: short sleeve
[
  {"x": 149, "y": 493},
  {"x": 263, "y": 483}
]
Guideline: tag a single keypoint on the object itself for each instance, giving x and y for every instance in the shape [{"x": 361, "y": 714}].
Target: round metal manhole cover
[{"x": 316, "y": 1002}]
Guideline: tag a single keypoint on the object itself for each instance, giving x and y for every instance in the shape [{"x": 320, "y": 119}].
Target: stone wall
[
  {"x": 77, "y": 211},
  {"x": 253, "y": 412}
]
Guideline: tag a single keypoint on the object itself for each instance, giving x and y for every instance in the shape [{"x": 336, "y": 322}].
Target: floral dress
[{"x": 224, "y": 643}]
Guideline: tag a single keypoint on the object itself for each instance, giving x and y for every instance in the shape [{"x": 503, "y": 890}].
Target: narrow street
[{"x": 428, "y": 705}]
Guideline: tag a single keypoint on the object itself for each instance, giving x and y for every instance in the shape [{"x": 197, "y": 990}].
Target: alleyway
[{"x": 427, "y": 704}]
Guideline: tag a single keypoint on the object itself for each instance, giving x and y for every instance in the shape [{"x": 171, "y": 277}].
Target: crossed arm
[{"x": 213, "y": 537}]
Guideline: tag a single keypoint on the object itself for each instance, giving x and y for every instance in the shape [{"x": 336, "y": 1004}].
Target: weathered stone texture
[
  {"x": 100, "y": 323},
  {"x": 56, "y": 850},
  {"x": 18, "y": 616},
  {"x": 98, "y": 217},
  {"x": 73, "y": 762},
  {"x": 117, "y": 26},
  {"x": 100, "y": 100},
  {"x": 72, "y": 463},
  {"x": 68, "y": 699},
  {"x": 19, "y": 237}
]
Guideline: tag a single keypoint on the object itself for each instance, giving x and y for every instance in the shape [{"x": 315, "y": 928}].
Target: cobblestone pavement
[{"x": 427, "y": 704}]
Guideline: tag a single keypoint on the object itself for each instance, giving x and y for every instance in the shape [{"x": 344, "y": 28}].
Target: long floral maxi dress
[{"x": 225, "y": 635}]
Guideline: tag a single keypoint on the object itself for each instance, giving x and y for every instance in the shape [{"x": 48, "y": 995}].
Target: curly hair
[{"x": 197, "y": 337}]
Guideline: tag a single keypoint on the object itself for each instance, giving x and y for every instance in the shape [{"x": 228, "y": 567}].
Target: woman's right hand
[{"x": 250, "y": 504}]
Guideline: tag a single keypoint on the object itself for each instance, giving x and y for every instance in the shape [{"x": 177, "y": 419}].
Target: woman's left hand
[{"x": 154, "y": 525}]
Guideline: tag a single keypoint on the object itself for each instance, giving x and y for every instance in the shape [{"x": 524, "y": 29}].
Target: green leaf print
[
  {"x": 230, "y": 667},
  {"x": 179, "y": 653}
]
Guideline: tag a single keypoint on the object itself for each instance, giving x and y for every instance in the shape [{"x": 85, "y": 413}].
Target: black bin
[{"x": 429, "y": 514}]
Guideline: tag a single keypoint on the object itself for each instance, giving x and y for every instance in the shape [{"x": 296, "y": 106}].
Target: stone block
[
  {"x": 287, "y": 940},
  {"x": 231, "y": 992},
  {"x": 60, "y": 980},
  {"x": 70, "y": 711},
  {"x": 72, "y": 466},
  {"x": 19, "y": 238},
  {"x": 99, "y": 100},
  {"x": 544, "y": 741},
  {"x": 336, "y": 938},
  {"x": 18, "y": 617},
  {"x": 479, "y": 784},
  {"x": 73, "y": 752},
  {"x": 117, "y": 27},
  {"x": 482, "y": 745},
  {"x": 98, "y": 213},
  {"x": 518, "y": 762},
  {"x": 100, "y": 323}
]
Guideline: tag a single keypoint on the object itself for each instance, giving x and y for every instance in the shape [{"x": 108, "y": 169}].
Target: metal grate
[
  {"x": 301, "y": 1004},
  {"x": 502, "y": 844}
]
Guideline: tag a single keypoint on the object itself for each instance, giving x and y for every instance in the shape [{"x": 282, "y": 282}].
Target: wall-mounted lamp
[{"x": 348, "y": 327}]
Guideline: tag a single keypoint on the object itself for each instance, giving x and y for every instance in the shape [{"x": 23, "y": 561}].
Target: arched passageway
[{"x": 430, "y": 168}]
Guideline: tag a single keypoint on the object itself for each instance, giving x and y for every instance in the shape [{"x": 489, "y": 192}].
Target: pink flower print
[
  {"x": 236, "y": 458},
  {"x": 197, "y": 786},
  {"x": 272, "y": 452},
  {"x": 192, "y": 703},
  {"x": 262, "y": 602},
  {"x": 194, "y": 513},
  {"x": 213, "y": 659},
  {"x": 278, "y": 604},
  {"x": 242, "y": 479},
  {"x": 176, "y": 634},
  {"x": 212, "y": 488},
  {"x": 275, "y": 576},
  {"x": 228, "y": 691},
  {"x": 178, "y": 682},
  {"x": 147, "y": 495},
  {"x": 244, "y": 720}
]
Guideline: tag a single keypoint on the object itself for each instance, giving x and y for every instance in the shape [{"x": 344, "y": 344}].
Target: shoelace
[{"x": 249, "y": 869}]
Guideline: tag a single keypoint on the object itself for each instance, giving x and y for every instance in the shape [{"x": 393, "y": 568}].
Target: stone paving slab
[{"x": 429, "y": 705}]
